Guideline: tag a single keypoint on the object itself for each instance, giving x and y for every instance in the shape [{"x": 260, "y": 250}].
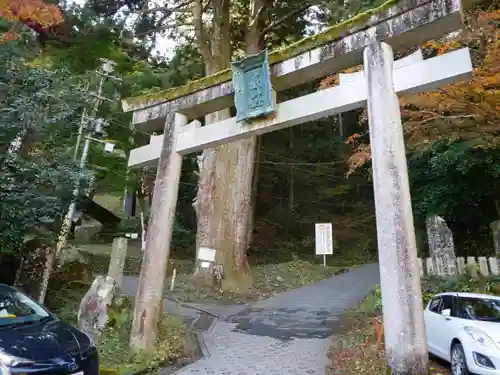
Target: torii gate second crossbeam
[{"x": 422, "y": 76}]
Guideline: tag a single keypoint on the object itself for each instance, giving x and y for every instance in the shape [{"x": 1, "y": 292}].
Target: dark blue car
[{"x": 35, "y": 341}]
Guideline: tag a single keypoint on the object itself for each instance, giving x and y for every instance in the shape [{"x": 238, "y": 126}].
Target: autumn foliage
[
  {"x": 35, "y": 14},
  {"x": 467, "y": 110}
]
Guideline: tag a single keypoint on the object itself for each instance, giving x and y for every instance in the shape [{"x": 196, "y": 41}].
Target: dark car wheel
[{"x": 458, "y": 362}]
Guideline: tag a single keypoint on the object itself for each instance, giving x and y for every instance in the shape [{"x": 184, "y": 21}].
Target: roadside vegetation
[
  {"x": 173, "y": 346},
  {"x": 359, "y": 346}
]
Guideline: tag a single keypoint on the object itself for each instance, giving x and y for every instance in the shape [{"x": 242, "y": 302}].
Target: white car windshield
[
  {"x": 16, "y": 308},
  {"x": 474, "y": 308}
]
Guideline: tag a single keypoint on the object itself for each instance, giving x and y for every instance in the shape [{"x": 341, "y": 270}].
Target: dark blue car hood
[{"x": 43, "y": 341}]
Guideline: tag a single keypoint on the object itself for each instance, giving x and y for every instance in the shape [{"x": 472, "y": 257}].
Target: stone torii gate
[{"x": 394, "y": 25}]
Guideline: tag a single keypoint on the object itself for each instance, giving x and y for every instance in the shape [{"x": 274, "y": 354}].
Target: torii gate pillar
[{"x": 404, "y": 328}]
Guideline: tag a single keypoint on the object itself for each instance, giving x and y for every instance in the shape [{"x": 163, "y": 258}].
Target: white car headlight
[
  {"x": 13, "y": 361},
  {"x": 480, "y": 337}
]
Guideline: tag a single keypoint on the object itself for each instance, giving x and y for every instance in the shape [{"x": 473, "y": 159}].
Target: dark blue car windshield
[{"x": 16, "y": 308}]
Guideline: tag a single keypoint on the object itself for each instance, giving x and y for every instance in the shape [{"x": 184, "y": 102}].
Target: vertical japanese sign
[{"x": 324, "y": 240}]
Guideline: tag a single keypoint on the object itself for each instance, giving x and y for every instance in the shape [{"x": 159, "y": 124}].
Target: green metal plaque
[{"x": 253, "y": 95}]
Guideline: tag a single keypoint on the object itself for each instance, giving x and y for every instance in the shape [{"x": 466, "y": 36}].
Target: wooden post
[
  {"x": 117, "y": 260},
  {"x": 149, "y": 298},
  {"x": 405, "y": 338}
]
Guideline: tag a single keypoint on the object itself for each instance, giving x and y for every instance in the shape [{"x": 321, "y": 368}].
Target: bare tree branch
[
  {"x": 182, "y": 7},
  {"x": 205, "y": 7},
  {"x": 253, "y": 35},
  {"x": 437, "y": 117},
  {"x": 281, "y": 20},
  {"x": 189, "y": 26},
  {"x": 254, "y": 18}
]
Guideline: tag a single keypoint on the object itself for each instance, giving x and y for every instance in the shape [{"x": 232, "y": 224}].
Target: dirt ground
[{"x": 358, "y": 349}]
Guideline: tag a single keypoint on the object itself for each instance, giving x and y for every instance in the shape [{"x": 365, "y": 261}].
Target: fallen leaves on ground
[{"x": 355, "y": 350}]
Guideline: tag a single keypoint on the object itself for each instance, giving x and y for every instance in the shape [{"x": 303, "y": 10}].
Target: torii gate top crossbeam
[
  {"x": 409, "y": 23},
  {"x": 412, "y": 74},
  {"x": 418, "y": 77}
]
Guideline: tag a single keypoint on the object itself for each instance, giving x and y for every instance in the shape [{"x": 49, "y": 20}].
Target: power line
[
  {"x": 323, "y": 164},
  {"x": 316, "y": 173},
  {"x": 298, "y": 163}
]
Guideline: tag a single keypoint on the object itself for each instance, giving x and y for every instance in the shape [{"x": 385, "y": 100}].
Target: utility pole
[
  {"x": 80, "y": 130},
  {"x": 91, "y": 125}
]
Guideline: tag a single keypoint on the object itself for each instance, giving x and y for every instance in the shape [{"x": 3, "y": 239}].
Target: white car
[{"x": 464, "y": 329}]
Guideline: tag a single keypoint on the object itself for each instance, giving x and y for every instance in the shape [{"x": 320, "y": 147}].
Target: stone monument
[
  {"x": 441, "y": 246},
  {"x": 93, "y": 311}
]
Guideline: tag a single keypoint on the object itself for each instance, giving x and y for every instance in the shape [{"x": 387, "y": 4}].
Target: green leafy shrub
[
  {"x": 372, "y": 304},
  {"x": 114, "y": 351},
  {"x": 115, "y": 355},
  {"x": 39, "y": 112}
]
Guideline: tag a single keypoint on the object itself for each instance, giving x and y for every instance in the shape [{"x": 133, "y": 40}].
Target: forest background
[{"x": 315, "y": 172}]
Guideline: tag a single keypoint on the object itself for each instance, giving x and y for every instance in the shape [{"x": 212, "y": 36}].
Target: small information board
[
  {"x": 109, "y": 147},
  {"x": 206, "y": 254},
  {"x": 324, "y": 240}
]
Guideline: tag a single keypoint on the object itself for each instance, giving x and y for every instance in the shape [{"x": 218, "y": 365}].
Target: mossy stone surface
[{"x": 329, "y": 35}]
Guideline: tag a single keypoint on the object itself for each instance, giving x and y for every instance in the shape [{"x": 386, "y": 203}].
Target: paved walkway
[{"x": 285, "y": 334}]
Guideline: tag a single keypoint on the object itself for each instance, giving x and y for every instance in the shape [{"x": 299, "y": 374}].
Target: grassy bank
[{"x": 268, "y": 278}]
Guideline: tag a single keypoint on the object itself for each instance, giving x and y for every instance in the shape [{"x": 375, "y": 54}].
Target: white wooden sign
[
  {"x": 109, "y": 147},
  {"x": 324, "y": 239},
  {"x": 206, "y": 254}
]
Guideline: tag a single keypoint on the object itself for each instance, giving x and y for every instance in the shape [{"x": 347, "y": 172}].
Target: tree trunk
[
  {"x": 255, "y": 185},
  {"x": 33, "y": 274},
  {"x": 50, "y": 258},
  {"x": 223, "y": 202},
  {"x": 223, "y": 205}
]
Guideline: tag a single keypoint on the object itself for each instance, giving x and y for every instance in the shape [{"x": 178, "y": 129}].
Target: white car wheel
[{"x": 458, "y": 362}]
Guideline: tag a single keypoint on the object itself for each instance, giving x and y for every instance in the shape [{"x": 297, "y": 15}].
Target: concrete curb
[
  {"x": 197, "y": 342},
  {"x": 200, "y": 347}
]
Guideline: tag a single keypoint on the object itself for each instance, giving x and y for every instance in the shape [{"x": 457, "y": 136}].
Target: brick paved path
[{"x": 285, "y": 334}]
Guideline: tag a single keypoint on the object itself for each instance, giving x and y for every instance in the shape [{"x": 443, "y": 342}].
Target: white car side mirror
[{"x": 446, "y": 312}]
